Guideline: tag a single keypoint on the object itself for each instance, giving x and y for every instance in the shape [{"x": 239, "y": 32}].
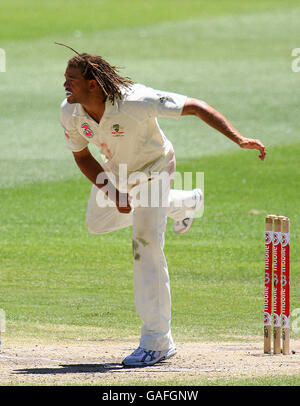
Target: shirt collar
[
  {"x": 79, "y": 111},
  {"x": 109, "y": 109}
]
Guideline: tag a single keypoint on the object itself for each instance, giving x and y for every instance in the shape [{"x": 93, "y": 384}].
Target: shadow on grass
[{"x": 73, "y": 369}]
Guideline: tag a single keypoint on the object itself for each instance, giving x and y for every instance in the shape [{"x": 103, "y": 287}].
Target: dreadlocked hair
[{"x": 106, "y": 75}]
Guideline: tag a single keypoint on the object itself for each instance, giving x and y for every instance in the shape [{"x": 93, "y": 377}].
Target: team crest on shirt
[
  {"x": 87, "y": 130},
  {"x": 117, "y": 130}
]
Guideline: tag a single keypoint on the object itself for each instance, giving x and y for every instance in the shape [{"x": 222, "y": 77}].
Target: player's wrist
[{"x": 242, "y": 141}]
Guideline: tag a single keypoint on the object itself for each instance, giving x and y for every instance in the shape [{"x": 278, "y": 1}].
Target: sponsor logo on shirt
[
  {"x": 163, "y": 99},
  {"x": 117, "y": 130},
  {"x": 86, "y": 130}
]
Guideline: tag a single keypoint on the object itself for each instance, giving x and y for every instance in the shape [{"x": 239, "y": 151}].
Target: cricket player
[{"x": 120, "y": 116}]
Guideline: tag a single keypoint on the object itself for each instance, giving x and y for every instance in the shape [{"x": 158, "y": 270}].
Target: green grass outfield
[{"x": 236, "y": 55}]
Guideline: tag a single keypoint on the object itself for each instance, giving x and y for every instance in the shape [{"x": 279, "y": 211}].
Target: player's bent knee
[{"x": 92, "y": 227}]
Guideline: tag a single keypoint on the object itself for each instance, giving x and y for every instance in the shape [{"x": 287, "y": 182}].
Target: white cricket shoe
[
  {"x": 142, "y": 358},
  {"x": 183, "y": 226}
]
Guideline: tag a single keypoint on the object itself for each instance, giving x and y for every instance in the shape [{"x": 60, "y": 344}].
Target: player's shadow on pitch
[{"x": 72, "y": 369}]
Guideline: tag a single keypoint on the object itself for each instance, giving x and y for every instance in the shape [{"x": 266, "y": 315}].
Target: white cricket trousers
[{"x": 151, "y": 277}]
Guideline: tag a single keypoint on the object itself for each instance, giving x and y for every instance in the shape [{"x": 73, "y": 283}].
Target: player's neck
[{"x": 95, "y": 107}]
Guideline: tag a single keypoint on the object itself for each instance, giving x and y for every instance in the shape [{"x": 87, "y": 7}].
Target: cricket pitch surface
[{"x": 100, "y": 363}]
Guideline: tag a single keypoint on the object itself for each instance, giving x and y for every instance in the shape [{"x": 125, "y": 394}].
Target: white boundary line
[{"x": 31, "y": 358}]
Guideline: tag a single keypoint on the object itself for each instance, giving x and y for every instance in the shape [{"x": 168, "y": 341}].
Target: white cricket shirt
[{"x": 128, "y": 132}]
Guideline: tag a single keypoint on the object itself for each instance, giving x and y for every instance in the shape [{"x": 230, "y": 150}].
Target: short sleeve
[
  {"x": 165, "y": 104},
  {"x": 74, "y": 140}
]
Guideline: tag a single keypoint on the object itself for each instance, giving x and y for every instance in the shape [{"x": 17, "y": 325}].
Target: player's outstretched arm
[{"x": 216, "y": 120}]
